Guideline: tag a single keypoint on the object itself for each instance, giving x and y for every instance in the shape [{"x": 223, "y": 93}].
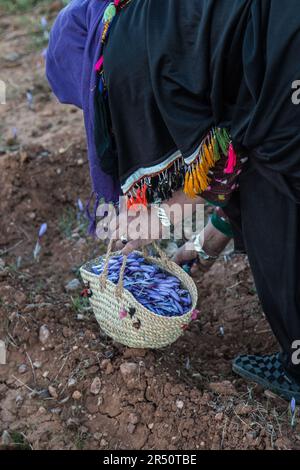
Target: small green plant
[
  {"x": 71, "y": 221},
  {"x": 20, "y": 440},
  {"x": 80, "y": 304}
]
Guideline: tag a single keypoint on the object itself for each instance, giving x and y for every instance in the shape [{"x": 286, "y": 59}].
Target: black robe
[{"x": 176, "y": 68}]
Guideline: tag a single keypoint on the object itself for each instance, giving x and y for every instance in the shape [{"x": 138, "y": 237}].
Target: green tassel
[
  {"x": 221, "y": 141},
  {"x": 110, "y": 13}
]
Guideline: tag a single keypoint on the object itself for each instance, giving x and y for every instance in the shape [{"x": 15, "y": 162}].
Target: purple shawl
[{"x": 74, "y": 49}]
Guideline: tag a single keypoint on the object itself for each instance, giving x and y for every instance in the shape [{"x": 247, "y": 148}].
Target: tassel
[
  {"x": 231, "y": 163},
  {"x": 99, "y": 64},
  {"x": 208, "y": 157},
  {"x": 197, "y": 187}
]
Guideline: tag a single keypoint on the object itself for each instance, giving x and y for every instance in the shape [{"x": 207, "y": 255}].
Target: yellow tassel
[
  {"x": 197, "y": 186},
  {"x": 186, "y": 180},
  {"x": 188, "y": 184},
  {"x": 192, "y": 193},
  {"x": 208, "y": 156}
]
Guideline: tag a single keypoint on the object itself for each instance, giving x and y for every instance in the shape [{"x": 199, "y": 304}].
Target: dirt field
[{"x": 65, "y": 389}]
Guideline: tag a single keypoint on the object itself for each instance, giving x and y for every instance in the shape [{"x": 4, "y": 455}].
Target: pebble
[
  {"x": 72, "y": 382},
  {"x": 243, "y": 410},
  {"x": 129, "y": 370},
  {"x": 52, "y": 391},
  {"x": 5, "y": 438},
  {"x": 37, "y": 364},
  {"x": 42, "y": 410},
  {"x": 131, "y": 428},
  {"x": 223, "y": 388},
  {"x": 2, "y": 353},
  {"x": 76, "y": 395},
  {"x": 74, "y": 284},
  {"x": 44, "y": 334},
  {"x": 133, "y": 418},
  {"x": 96, "y": 386},
  {"x": 20, "y": 298},
  {"x": 22, "y": 369},
  {"x": 2, "y": 263},
  {"x": 179, "y": 404}
]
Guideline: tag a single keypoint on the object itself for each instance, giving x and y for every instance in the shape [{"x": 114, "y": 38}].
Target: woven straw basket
[{"x": 145, "y": 329}]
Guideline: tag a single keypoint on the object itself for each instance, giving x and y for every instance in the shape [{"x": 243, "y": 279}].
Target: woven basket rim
[{"x": 86, "y": 267}]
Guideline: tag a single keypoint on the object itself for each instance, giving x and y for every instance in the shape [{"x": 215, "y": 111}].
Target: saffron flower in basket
[{"x": 159, "y": 291}]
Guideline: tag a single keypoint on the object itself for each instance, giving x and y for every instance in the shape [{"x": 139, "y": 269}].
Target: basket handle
[{"x": 119, "y": 290}]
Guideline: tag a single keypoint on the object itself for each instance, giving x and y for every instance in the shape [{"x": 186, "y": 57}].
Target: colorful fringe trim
[{"x": 194, "y": 178}]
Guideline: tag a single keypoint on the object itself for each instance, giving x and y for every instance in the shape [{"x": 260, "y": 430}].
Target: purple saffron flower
[
  {"x": 44, "y": 53},
  {"x": 43, "y": 230},
  {"x": 293, "y": 405},
  {"x": 14, "y": 133},
  {"x": 293, "y": 411},
  {"x": 80, "y": 205},
  {"x": 44, "y": 22},
  {"x": 29, "y": 98}
]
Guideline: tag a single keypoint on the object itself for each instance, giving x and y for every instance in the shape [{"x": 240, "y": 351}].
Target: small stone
[
  {"x": 109, "y": 369},
  {"x": 133, "y": 418},
  {"x": 103, "y": 443},
  {"x": 223, "y": 388},
  {"x": 55, "y": 411},
  {"x": 179, "y": 404},
  {"x": 77, "y": 395},
  {"x": 219, "y": 417},
  {"x": 80, "y": 162},
  {"x": 97, "y": 436},
  {"x": 2, "y": 264},
  {"x": 243, "y": 410},
  {"x": 96, "y": 386},
  {"x": 19, "y": 400},
  {"x": 6, "y": 440},
  {"x": 22, "y": 369},
  {"x": 80, "y": 317},
  {"x": 52, "y": 391},
  {"x": 73, "y": 423},
  {"x": 20, "y": 298},
  {"x": 151, "y": 426},
  {"x": 129, "y": 370},
  {"x": 2, "y": 353},
  {"x": 72, "y": 382},
  {"x": 74, "y": 284},
  {"x": 67, "y": 332},
  {"x": 37, "y": 364},
  {"x": 45, "y": 374},
  {"x": 131, "y": 428},
  {"x": 42, "y": 410},
  {"x": 44, "y": 334}
]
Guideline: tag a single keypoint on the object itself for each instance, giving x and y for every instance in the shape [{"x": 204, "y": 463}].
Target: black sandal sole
[{"x": 265, "y": 384}]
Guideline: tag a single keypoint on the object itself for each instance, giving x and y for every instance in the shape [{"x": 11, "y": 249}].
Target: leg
[{"x": 271, "y": 229}]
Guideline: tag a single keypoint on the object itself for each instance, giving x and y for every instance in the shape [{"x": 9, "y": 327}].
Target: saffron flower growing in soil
[
  {"x": 293, "y": 412},
  {"x": 38, "y": 247}
]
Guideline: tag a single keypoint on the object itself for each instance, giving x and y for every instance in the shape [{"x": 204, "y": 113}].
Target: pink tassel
[
  {"x": 195, "y": 314},
  {"x": 117, "y": 3},
  {"x": 99, "y": 64},
  {"x": 231, "y": 163}
]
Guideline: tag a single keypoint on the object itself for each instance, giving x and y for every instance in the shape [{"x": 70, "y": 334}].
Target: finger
[
  {"x": 185, "y": 255},
  {"x": 135, "y": 245},
  {"x": 195, "y": 269}
]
